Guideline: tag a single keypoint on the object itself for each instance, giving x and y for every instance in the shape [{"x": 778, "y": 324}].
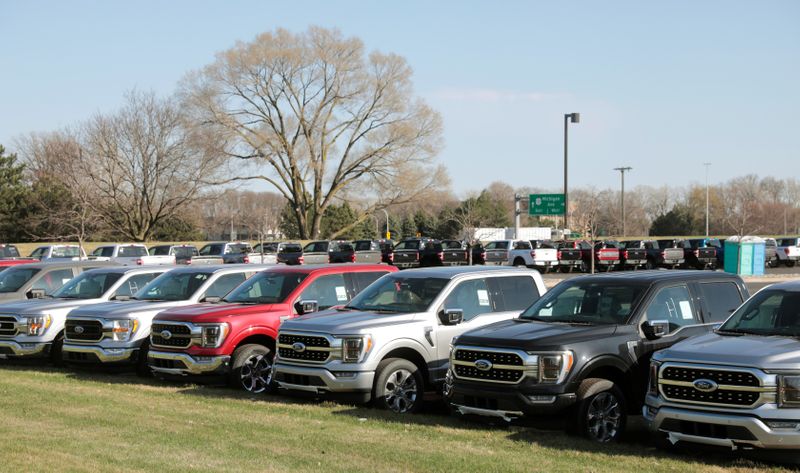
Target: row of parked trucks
[{"x": 493, "y": 341}]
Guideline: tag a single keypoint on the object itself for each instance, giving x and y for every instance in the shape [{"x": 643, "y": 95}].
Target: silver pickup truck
[
  {"x": 35, "y": 327},
  {"x": 393, "y": 339},
  {"x": 738, "y": 387}
]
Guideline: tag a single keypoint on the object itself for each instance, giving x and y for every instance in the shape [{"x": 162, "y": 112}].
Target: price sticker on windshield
[
  {"x": 483, "y": 297},
  {"x": 341, "y": 294}
]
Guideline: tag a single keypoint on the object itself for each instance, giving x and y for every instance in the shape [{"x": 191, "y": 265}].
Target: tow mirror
[
  {"x": 655, "y": 329},
  {"x": 306, "y": 307},
  {"x": 452, "y": 316},
  {"x": 36, "y": 294}
]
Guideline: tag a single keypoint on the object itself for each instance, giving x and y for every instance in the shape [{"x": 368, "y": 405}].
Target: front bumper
[
  {"x": 181, "y": 364},
  {"x": 322, "y": 382},
  {"x": 711, "y": 428},
  {"x": 507, "y": 402},
  {"x": 15, "y": 349},
  {"x": 95, "y": 354}
]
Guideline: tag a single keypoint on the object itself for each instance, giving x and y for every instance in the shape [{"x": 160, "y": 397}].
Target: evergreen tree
[{"x": 13, "y": 197}]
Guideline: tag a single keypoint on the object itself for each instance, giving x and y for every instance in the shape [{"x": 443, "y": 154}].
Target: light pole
[
  {"x": 706, "y": 165},
  {"x": 622, "y": 194},
  {"x": 574, "y": 118},
  {"x": 387, "y": 222}
]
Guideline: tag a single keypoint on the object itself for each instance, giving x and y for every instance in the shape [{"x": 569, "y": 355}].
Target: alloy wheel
[
  {"x": 603, "y": 417},
  {"x": 400, "y": 391},
  {"x": 256, "y": 373}
]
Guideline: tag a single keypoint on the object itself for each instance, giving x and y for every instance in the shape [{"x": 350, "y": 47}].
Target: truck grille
[
  {"x": 702, "y": 429},
  {"x": 169, "y": 364},
  {"x": 314, "y": 348},
  {"x": 730, "y": 378},
  {"x": 505, "y": 367},
  {"x": 180, "y": 336},
  {"x": 8, "y": 326},
  {"x": 83, "y": 330},
  {"x": 720, "y": 396},
  {"x": 722, "y": 387}
]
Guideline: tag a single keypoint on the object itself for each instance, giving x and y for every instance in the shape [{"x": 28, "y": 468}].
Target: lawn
[{"x": 56, "y": 420}]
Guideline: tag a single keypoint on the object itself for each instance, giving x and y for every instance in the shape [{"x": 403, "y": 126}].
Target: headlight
[
  {"x": 789, "y": 391},
  {"x": 212, "y": 335},
  {"x": 553, "y": 368},
  {"x": 354, "y": 349},
  {"x": 37, "y": 324},
  {"x": 122, "y": 330},
  {"x": 652, "y": 382}
]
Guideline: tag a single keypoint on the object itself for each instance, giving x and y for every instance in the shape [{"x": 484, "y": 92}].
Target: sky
[{"x": 661, "y": 87}]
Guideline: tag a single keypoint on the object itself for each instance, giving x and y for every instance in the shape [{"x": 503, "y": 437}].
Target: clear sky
[{"x": 661, "y": 86}]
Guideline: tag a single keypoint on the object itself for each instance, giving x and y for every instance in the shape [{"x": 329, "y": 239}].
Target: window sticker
[
  {"x": 483, "y": 297},
  {"x": 341, "y": 294},
  {"x": 65, "y": 280},
  {"x": 686, "y": 310}
]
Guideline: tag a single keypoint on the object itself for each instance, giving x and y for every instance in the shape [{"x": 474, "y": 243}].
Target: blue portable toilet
[{"x": 745, "y": 256}]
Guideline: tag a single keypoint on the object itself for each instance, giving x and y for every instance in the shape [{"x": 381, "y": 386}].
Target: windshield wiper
[
  {"x": 734, "y": 331},
  {"x": 534, "y": 318}
]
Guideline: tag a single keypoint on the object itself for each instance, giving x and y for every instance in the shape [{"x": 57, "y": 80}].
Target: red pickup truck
[{"x": 245, "y": 322}]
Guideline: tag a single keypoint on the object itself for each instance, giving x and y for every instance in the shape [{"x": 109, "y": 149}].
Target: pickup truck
[
  {"x": 7, "y": 263},
  {"x": 788, "y": 251},
  {"x": 387, "y": 250},
  {"x": 633, "y": 256},
  {"x": 290, "y": 254},
  {"x": 250, "y": 317},
  {"x": 267, "y": 252},
  {"x": 771, "y": 253},
  {"x": 606, "y": 256},
  {"x": 183, "y": 253},
  {"x": 583, "y": 350},
  {"x": 478, "y": 253},
  {"x": 669, "y": 257},
  {"x": 367, "y": 251},
  {"x": 418, "y": 253},
  {"x": 658, "y": 256},
  {"x": 35, "y": 328},
  {"x": 8, "y": 251},
  {"x": 698, "y": 254},
  {"x": 129, "y": 254},
  {"x": 226, "y": 253},
  {"x": 59, "y": 252},
  {"x": 456, "y": 253},
  {"x": 117, "y": 333},
  {"x": 570, "y": 256},
  {"x": 497, "y": 251},
  {"x": 390, "y": 344},
  {"x": 536, "y": 254},
  {"x": 37, "y": 280},
  {"x": 738, "y": 387}
]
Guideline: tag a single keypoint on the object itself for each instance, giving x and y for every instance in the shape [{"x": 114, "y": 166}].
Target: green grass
[{"x": 55, "y": 420}]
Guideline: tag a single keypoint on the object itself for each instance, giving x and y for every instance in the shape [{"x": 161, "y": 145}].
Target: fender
[
  {"x": 250, "y": 331},
  {"x": 600, "y": 361},
  {"x": 409, "y": 343}
]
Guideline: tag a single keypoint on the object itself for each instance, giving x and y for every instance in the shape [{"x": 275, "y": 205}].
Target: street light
[
  {"x": 387, "y": 222},
  {"x": 622, "y": 194},
  {"x": 574, "y": 118},
  {"x": 706, "y": 165}
]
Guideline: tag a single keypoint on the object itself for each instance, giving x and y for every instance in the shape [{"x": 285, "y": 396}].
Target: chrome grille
[
  {"x": 720, "y": 396},
  {"x": 506, "y": 367},
  {"x": 180, "y": 335},
  {"x": 83, "y": 330},
  {"x": 316, "y": 349},
  {"x": 730, "y": 378},
  {"x": 714, "y": 386},
  {"x": 8, "y": 326}
]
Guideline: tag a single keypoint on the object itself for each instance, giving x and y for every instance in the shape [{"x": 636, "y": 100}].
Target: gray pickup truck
[
  {"x": 392, "y": 341},
  {"x": 738, "y": 387}
]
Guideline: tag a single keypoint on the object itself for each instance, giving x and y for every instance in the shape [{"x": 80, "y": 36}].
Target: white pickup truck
[
  {"x": 130, "y": 254},
  {"x": 788, "y": 251},
  {"x": 59, "y": 252},
  {"x": 536, "y": 254}
]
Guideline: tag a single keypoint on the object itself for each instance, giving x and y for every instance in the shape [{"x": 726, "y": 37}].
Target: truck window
[
  {"x": 399, "y": 294},
  {"x": 497, "y": 245},
  {"x": 225, "y": 284},
  {"x": 720, "y": 299},
  {"x": 66, "y": 252},
  {"x": 38, "y": 252},
  {"x": 522, "y": 245},
  {"x": 328, "y": 291},
  {"x": 407, "y": 245},
  {"x": 266, "y": 288},
  {"x": 9, "y": 251},
  {"x": 211, "y": 250},
  {"x": 673, "y": 304},
  {"x": 513, "y": 293},
  {"x": 159, "y": 251},
  {"x": 87, "y": 285},
  {"x": 470, "y": 296},
  {"x": 316, "y": 247},
  {"x": 131, "y": 251},
  {"x": 238, "y": 248},
  {"x": 52, "y": 280},
  {"x": 586, "y": 302},
  {"x": 173, "y": 286},
  {"x": 12, "y": 279},
  {"x": 104, "y": 251},
  {"x": 363, "y": 245},
  {"x": 134, "y": 283},
  {"x": 363, "y": 279}
]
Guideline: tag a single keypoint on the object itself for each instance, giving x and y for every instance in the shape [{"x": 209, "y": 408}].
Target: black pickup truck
[
  {"x": 455, "y": 253},
  {"x": 697, "y": 254},
  {"x": 570, "y": 256},
  {"x": 633, "y": 255},
  {"x": 583, "y": 349},
  {"x": 290, "y": 254},
  {"x": 418, "y": 253}
]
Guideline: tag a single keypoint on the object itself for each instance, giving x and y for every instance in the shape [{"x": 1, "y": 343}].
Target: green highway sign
[{"x": 546, "y": 204}]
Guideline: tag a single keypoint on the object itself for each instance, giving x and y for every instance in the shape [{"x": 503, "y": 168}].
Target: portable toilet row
[{"x": 745, "y": 256}]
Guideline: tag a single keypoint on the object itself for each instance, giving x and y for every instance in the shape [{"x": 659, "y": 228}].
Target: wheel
[
  {"x": 142, "y": 368},
  {"x": 398, "y": 386},
  {"x": 773, "y": 263},
  {"x": 519, "y": 262},
  {"x": 251, "y": 369},
  {"x": 56, "y": 356},
  {"x": 650, "y": 264},
  {"x": 601, "y": 411},
  {"x": 789, "y": 263}
]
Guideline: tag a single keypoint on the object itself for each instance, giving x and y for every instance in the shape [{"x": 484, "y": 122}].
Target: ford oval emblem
[
  {"x": 299, "y": 347},
  {"x": 78, "y": 329},
  {"x": 166, "y": 334},
  {"x": 483, "y": 365},
  {"x": 705, "y": 385}
]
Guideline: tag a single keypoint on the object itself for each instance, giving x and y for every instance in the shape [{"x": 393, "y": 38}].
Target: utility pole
[
  {"x": 517, "y": 212},
  {"x": 574, "y": 118},
  {"x": 706, "y": 165},
  {"x": 622, "y": 194}
]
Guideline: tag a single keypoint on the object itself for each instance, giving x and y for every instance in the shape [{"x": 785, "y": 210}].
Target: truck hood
[
  {"x": 213, "y": 312},
  {"x": 29, "y": 306},
  {"x": 342, "y": 322},
  {"x": 524, "y": 335},
  {"x": 770, "y": 353},
  {"x": 124, "y": 308},
  {"x": 11, "y": 296}
]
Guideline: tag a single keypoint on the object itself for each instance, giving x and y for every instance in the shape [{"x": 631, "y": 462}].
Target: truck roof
[
  {"x": 657, "y": 275},
  {"x": 328, "y": 268},
  {"x": 70, "y": 264},
  {"x": 450, "y": 272},
  {"x": 792, "y": 286},
  {"x": 130, "y": 269}
]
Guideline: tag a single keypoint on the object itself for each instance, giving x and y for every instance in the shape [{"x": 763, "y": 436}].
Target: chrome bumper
[
  {"x": 193, "y": 366},
  {"x": 507, "y": 416},
  {"x": 104, "y": 355},
  {"x": 23, "y": 349},
  {"x": 361, "y": 381}
]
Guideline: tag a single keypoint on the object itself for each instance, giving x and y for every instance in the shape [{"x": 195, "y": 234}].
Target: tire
[
  {"x": 399, "y": 386},
  {"x": 251, "y": 369},
  {"x": 142, "y": 368},
  {"x": 601, "y": 410},
  {"x": 519, "y": 262},
  {"x": 650, "y": 264},
  {"x": 773, "y": 263},
  {"x": 789, "y": 263},
  {"x": 56, "y": 352}
]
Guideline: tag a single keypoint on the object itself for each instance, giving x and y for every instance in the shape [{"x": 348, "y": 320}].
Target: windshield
[
  {"x": 236, "y": 248},
  {"x": 88, "y": 285},
  {"x": 586, "y": 303},
  {"x": 399, "y": 294},
  {"x": 407, "y": 245},
  {"x": 211, "y": 249},
  {"x": 9, "y": 251},
  {"x": 131, "y": 251},
  {"x": 12, "y": 279},
  {"x": 66, "y": 252},
  {"x": 770, "y": 312},
  {"x": 170, "y": 286},
  {"x": 266, "y": 288}
]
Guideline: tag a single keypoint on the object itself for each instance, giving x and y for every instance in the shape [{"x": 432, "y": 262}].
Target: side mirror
[
  {"x": 36, "y": 294},
  {"x": 306, "y": 307},
  {"x": 655, "y": 329},
  {"x": 211, "y": 299},
  {"x": 121, "y": 298},
  {"x": 451, "y": 316}
]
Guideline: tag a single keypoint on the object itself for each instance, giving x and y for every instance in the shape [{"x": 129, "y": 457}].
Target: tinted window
[
  {"x": 133, "y": 284},
  {"x": 513, "y": 293},
  {"x": 720, "y": 299},
  {"x": 363, "y": 245},
  {"x": 225, "y": 284},
  {"x": 9, "y": 251},
  {"x": 237, "y": 248},
  {"x": 159, "y": 251},
  {"x": 340, "y": 246},
  {"x": 316, "y": 247},
  {"x": 66, "y": 252},
  {"x": 104, "y": 251},
  {"x": 266, "y": 288},
  {"x": 184, "y": 251},
  {"x": 497, "y": 245},
  {"x": 52, "y": 280},
  {"x": 770, "y": 312},
  {"x": 399, "y": 294},
  {"x": 586, "y": 303},
  {"x": 470, "y": 296},
  {"x": 173, "y": 286},
  {"x": 131, "y": 251},
  {"x": 37, "y": 253},
  {"x": 88, "y": 285},
  {"x": 674, "y": 305},
  {"x": 328, "y": 291},
  {"x": 363, "y": 279},
  {"x": 522, "y": 245},
  {"x": 408, "y": 245},
  {"x": 211, "y": 249},
  {"x": 452, "y": 245},
  {"x": 291, "y": 249},
  {"x": 12, "y": 279}
]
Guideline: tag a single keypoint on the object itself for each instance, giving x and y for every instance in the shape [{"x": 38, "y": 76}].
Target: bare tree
[{"x": 322, "y": 117}]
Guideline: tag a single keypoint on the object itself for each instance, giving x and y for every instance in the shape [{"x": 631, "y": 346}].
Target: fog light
[
  {"x": 344, "y": 374},
  {"x": 542, "y": 399},
  {"x": 783, "y": 424}
]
